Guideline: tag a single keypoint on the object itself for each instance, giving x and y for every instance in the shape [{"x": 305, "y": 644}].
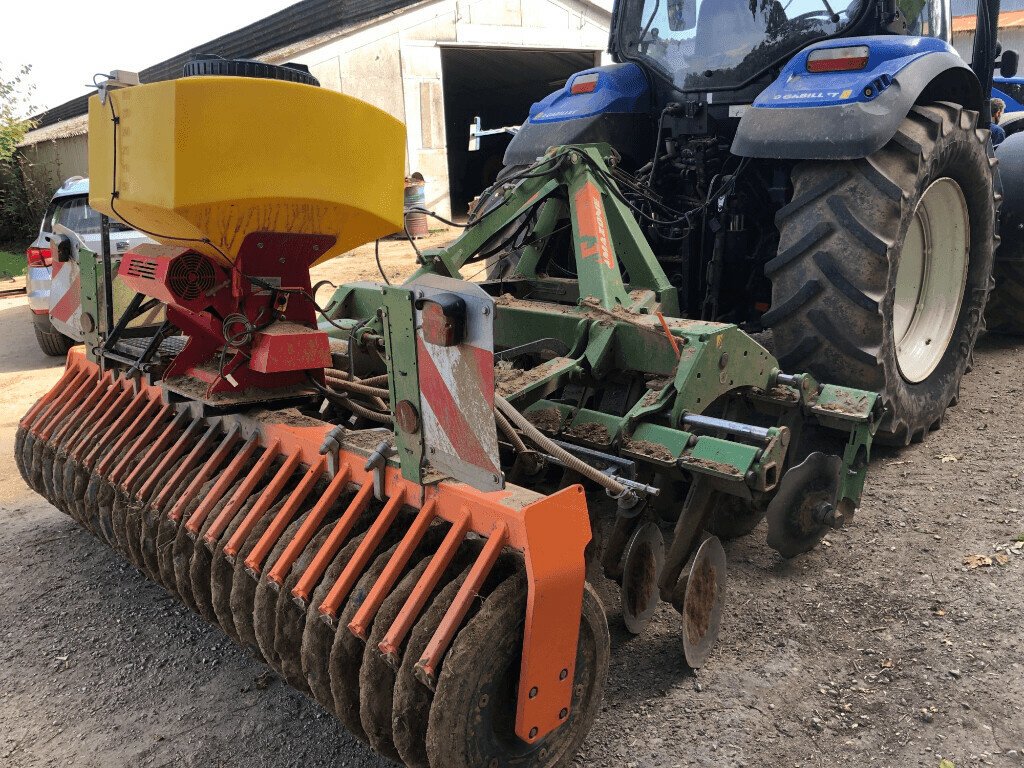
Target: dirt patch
[
  {"x": 713, "y": 466},
  {"x": 509, "y": 380},
  {"x": 547, "y": 420},
  {"x": 653, "y": 450},
  {"x": 590, "y": 432},
  {"x": 878, "y": 648}
]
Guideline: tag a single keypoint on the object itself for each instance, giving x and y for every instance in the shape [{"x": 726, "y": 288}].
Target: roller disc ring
[
  {"x": 794, "y": 514},
  {"x": 243, "y": 586},
  {"x": 266, "y": 600},
  {"x": 183, "y": 548},
  {"x": 645, "y": 556},
  {"x": 19, "y": 447},
  {"x": 347, "y": 651},
  {"x": 703, "y": 602},
  {"x": 202, "y": 561},
  {"x": 291, "y": 619},
  {"x": 472, "y": 719},
  {"x": 318, "y": 637},
  {"x": 222, "y": 574},
  {"x": 377, "y": 677}
]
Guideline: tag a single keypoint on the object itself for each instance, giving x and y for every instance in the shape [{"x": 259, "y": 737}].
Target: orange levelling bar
[{"x": 551, "y": 532}]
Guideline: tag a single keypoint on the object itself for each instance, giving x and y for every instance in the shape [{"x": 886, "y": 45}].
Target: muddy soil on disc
[{"x": 878, "y": 648}]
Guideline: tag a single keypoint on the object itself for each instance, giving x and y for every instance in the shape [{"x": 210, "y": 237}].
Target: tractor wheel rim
[{"x": 931, "y": 279}]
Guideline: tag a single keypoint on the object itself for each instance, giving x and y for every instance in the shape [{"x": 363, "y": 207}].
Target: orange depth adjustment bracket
[{"x": 557, "y": 531}]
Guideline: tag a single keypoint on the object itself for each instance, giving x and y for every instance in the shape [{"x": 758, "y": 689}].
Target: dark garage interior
[{"x": 498, "y": 85}]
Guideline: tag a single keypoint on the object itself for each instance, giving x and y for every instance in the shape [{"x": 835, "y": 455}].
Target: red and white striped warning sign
[
  {"x": 66, "y": 298},
  {"x": 457, "y": 388}
]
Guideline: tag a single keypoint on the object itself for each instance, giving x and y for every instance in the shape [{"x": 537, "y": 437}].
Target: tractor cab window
[
  {"x": 916, "y": 13},
  {"x": 713, "y": 44},
  {"x": 926, "y": 18}
]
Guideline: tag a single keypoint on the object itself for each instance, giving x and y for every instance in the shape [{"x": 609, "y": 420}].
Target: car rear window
[{"x": 75, "y": 214}]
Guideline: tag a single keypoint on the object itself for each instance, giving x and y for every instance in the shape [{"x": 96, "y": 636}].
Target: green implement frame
[{"x": 690, "y": 398}]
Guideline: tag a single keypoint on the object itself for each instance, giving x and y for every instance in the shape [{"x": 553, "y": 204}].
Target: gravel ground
[{"x": 882, "y": 647}]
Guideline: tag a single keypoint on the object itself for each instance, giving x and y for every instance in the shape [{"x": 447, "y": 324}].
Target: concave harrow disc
[{"x": 356, "y": 600}]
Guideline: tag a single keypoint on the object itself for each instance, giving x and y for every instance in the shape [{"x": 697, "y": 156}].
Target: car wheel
[{"x": 51, "y": 341}]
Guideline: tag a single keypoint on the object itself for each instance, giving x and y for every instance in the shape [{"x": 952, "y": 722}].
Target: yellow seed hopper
[{"x": 204, "y": 161}]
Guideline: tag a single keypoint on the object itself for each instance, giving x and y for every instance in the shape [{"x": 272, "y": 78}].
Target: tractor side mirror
[
  {"x": 1008, "y": 63},
  {"x": 61, "y": 246},
  {"x": 682, "y": 15}
]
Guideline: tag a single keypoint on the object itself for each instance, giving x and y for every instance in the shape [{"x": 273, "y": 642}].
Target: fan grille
[{"x": 190, "y": 276}]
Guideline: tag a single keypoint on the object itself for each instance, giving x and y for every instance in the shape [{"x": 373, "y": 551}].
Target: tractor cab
[{"x": 727, "y": 45}]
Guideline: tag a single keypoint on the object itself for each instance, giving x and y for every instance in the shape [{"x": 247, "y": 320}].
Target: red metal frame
[{"x": 278, "y": 356}]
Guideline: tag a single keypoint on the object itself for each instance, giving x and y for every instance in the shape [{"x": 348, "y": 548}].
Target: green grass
[{"x": 11, "y": 264}]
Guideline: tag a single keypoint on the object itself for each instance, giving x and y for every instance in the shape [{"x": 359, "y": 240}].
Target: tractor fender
[
  {"x": 805, "y": 115},
  {"x": 610, "y": 105}
]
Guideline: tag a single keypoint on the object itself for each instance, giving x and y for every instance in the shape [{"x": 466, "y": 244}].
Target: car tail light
[
  {"x": 38, "y": 257},
  {"x": 584, "y": 84},
  {"x": 838, "y": 59}
]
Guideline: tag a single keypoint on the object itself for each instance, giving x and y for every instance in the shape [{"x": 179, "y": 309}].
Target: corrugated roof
[
  {"x": 76, "y": 126},
  {"x": 1007, "y": 20},
  {"x": 295, "y": 23}
]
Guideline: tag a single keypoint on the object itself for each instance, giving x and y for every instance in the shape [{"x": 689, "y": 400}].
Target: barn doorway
[{"x": 499, "y": 85}]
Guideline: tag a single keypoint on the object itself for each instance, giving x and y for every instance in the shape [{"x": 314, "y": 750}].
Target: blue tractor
[{"x": 824, "y": 171}]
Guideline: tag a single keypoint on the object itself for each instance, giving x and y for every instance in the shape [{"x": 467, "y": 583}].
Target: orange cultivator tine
[
  {"x": 244, "y": 491},
  {"x": 137, "y": 407},
  {"x": 426, "y": 667},
  {"x": 427, "y": 583},
  {"x": 340, "y": 532},
  {"x": 143, "y": 443},
  {"x": 265, "y": 502},
  {"x": 176, "y": 451},
  {"x": 95, "y": 404},
  {"x": 195, "y": 522},
  {"x": 306, "y": 531},
  {"x": 77, "y": 387},
  {"x": 43, "y": 402},
  {"x": 396, "y": 565},
  {"x": 254, "y": 563},
  {"x": 75, "y": 399},
  {"x": 191, "y": 462},
  {"x": 107, "y": 415},
  {"x": 210, "y": 466},
  {"x": 158, "y": 447}
]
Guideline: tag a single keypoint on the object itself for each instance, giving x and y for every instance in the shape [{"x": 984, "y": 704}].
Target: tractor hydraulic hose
[
  {"x": 510, "y": 432},
  {"x": 374, "y": 381},
  {"x": 342, "y": 400},
  {"x": 356, "y": 386},
  {"x": 615, "y": 488},
  {"x": 366, "y": 413}
]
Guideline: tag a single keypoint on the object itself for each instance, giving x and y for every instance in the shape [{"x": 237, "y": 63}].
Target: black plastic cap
[{"x": 209, "y": 64}]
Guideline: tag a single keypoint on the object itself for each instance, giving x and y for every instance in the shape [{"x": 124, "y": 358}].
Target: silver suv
[{"x": 53, "y": 286}]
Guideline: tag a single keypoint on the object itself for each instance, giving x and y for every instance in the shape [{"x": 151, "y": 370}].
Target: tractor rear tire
[
  {"x": 1006, "y": 308},
  {"x": 1005, "y": 313},
  {"x": 842, "y": 308}
]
